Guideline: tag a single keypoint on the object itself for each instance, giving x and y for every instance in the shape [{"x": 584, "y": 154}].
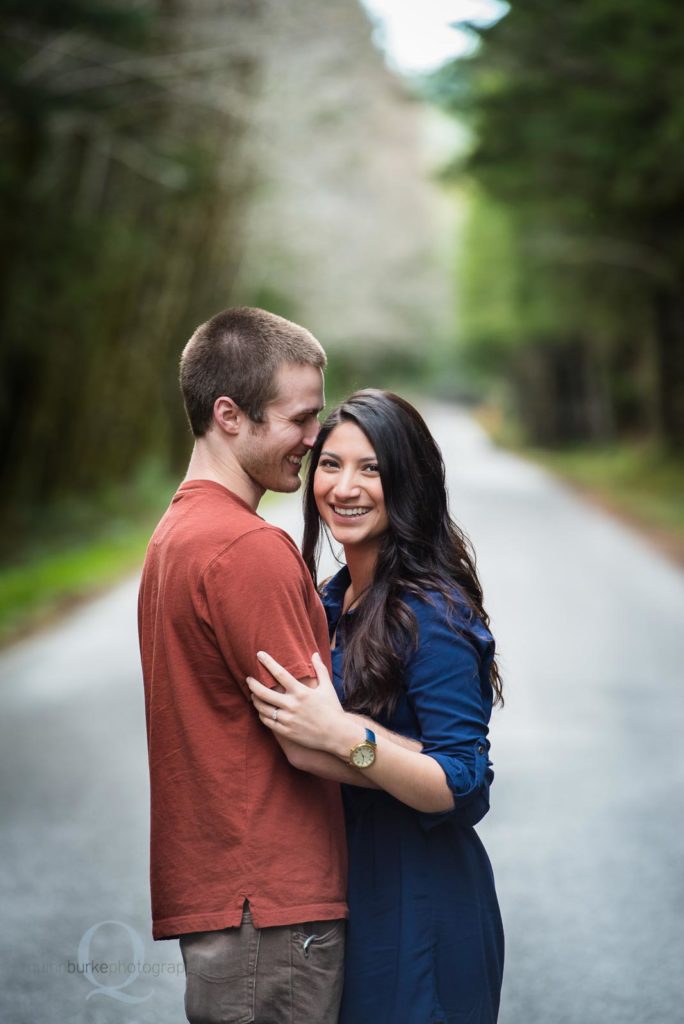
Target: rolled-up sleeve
[{"x": 448, "y": 688}]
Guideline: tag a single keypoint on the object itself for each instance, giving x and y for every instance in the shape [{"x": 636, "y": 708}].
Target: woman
[{"x": 405, "y": 724}]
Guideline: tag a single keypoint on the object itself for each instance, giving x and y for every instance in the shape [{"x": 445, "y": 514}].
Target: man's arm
[
  {"x": 314, "y": 718},
  {"x": 327, "y": 766},
  {"x": 257, "y": 597},
  {"x": 268, "y": 576},
  {"x": 401, "y": 741}
]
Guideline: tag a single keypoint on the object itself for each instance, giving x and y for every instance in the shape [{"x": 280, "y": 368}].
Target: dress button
[{"x": 480, "y": 748}]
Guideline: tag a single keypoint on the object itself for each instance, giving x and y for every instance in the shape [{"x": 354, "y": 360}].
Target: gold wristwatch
[{"x": 363, "y": 754}]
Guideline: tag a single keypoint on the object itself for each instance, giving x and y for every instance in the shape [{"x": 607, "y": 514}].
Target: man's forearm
[
  {"x": 401, "y": 741},
  {"x": 325, "y": 766}
]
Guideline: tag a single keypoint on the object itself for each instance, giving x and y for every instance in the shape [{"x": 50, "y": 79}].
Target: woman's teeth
[{"x": 350, "y": 511}]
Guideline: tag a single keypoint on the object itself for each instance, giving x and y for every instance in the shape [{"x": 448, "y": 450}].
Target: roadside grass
[
  {"x": 643, "y": 482},
  {"x": 639, "y": 482},
  {"x": 81, "y": 552},
  {"x": 34, "y": 593},
  {"x": 52, "y": 560}
]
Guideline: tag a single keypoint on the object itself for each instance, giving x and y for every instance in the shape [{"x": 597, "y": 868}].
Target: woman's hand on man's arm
[
  {"x": 312, "y": 717},
  {"x": 315, "y": 762}
]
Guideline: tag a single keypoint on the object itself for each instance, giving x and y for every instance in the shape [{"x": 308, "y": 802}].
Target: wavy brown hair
[{"x": 422, "y": 551}]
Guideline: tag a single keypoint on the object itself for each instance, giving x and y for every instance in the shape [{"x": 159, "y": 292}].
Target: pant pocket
[
  {"x": 219, "y": 975},
  {"x": 317, "y": 971}
]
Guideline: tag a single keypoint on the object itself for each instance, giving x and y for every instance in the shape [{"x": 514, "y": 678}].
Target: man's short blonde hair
[{"x": 238, "y": 354}]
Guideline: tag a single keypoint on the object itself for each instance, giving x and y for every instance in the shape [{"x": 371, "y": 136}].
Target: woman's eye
[
  {"x": 372, "y": 467},
  {"x": 327, "y": 464}
]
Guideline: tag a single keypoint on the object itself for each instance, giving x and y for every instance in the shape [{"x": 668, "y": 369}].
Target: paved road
[{"x": 586, "y": 833}]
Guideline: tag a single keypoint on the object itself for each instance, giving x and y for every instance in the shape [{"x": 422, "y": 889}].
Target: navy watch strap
[{"x": 370, "y": 736}]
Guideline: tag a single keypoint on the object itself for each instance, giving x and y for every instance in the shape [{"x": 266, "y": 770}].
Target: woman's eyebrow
[{"x": 333, "y": 455}]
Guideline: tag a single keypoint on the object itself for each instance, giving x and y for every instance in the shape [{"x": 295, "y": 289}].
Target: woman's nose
[{"x": 346, "y": 486}]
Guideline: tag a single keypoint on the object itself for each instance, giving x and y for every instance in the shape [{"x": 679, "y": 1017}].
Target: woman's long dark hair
[{"x": 423, "y": 549}]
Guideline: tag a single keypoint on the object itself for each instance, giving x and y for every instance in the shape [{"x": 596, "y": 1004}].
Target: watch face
[{"x": 364, "y": 755}]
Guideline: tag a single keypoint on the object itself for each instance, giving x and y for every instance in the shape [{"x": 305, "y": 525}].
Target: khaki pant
[{"x": 291, "y": 974}]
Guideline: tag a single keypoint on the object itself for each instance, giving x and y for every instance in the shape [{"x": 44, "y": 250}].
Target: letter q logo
[{"x": 85, "y": 961}]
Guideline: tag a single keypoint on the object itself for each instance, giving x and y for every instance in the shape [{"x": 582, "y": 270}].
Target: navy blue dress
[{"x": 424, "y": 938}]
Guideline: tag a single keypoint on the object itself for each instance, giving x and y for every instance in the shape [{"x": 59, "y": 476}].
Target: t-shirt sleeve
[
  {"x": 258, "y": 599},
  {"x": 445, "y": 690}
]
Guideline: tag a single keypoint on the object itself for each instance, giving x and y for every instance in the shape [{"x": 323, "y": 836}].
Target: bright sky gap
[{"x": 418, "y": 37}]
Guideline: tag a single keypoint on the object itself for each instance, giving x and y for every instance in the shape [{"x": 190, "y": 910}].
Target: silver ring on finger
[{"x": 274, "y": 716}]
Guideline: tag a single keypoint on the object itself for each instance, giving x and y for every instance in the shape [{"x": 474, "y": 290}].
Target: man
[{"x": 248, "y": 862}]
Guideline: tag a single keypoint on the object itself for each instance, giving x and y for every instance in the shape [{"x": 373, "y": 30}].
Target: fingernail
[{"x": 261, "y": 655}]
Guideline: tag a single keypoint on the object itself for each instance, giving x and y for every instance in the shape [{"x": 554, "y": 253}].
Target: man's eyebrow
[{"x": 313, "y": 411}]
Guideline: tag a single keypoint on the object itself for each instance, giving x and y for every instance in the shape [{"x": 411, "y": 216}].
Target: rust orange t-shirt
[{"x": 231, "y": 820}]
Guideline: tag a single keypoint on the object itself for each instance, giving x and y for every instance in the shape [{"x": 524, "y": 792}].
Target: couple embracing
[{"x": 318, "y": 757}]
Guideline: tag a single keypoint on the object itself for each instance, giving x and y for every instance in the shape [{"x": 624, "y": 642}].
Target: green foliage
[
  {"x": 112, "y": 20},
  {"x": 576, "y": 231},
  {"x": 81, "y": 545},
  {"x": 357, "y": 367},
  {"x": 31, "y": 594},
  {"x": 640, "y": 481},
  {"x": 114, "y": 207},
  {"x": 488, "y": 284}
]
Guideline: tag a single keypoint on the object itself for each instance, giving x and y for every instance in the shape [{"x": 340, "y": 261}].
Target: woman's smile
[
  {"x": 348, "y": 488},
  {"x": 349, "y": 513}
]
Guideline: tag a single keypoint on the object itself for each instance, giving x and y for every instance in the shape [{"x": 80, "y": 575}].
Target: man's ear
[{"x": 227, "y": 415}]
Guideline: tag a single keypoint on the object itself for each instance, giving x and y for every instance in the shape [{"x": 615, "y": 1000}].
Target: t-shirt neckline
[{"x": 199, "y": 484}]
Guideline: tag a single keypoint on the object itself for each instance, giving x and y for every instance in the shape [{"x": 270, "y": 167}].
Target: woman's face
[{"x": 347, "y": 488}]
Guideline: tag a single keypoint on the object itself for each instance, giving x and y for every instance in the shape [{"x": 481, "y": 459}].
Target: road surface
[{"x": 586, "y": 831}]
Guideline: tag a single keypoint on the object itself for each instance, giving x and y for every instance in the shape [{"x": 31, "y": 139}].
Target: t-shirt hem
[{"x": 262, "y": 917}]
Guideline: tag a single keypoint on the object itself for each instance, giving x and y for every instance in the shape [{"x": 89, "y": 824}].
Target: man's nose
[{"x": 310, "y": 440}]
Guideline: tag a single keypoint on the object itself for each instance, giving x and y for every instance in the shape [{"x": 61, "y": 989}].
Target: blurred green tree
[
  {"x": 168, "y": 158},
  {"x": 578, "y": 122},
  {"x": 121, "y": 202}
]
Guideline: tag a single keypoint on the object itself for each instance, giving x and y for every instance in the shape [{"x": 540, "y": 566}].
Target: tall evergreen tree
[{"x": 579, "y": 126}]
